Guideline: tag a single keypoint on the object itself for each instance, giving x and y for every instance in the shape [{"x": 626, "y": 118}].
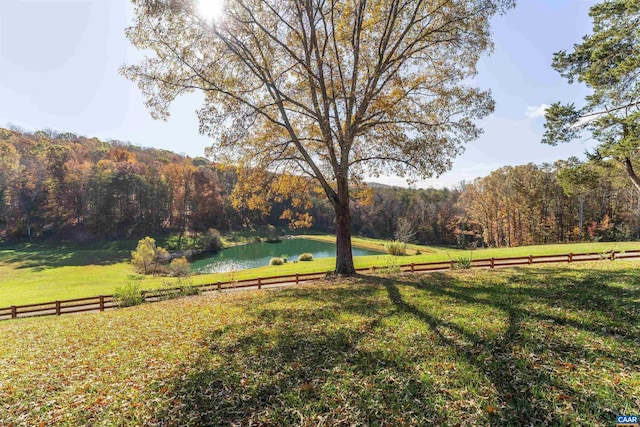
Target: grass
[
  {"x": 524, "y": 346},
  {"x": 42, "y": 273},
  {"x": 365, "y": 242},
  {"x": 437, "y": 253}
]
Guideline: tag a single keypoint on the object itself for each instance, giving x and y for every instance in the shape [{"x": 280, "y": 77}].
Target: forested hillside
[
  {"x": 62, "y": 183},
  {"x": 64, "y": 186},
  {"x": 563, "y": 202}
]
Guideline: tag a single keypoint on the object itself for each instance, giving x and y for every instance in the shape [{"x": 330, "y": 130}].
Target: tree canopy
[
  {"x": 607, "y": 61},
  {"x": 331, "y": 89}
]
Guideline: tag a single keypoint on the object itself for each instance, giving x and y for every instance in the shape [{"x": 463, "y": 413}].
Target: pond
[{"x": 259, "y": 254}]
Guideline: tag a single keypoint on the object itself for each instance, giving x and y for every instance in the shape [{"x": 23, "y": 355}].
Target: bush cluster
[
  {"x": 183, "y": 287},
  {"x": 179, "y": 267},
  {"x": 149, "y": 258},
  {"x": 128, "y": 295},
  {"x": 307, "y": 256},
  {"x": 463, "y": 263},
  {"x": 211, "y": 240},
  {"x": 396, "y": 247}
]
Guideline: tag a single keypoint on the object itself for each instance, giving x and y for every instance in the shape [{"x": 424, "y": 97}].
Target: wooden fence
[
  {"x": 78, "y": 305},
  {"x": 104, "y": 302}
]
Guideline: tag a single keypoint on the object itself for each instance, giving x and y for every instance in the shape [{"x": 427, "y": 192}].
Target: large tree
[
  {"x": 608, "y": 62},
  {"x": 577, "y": 179},
  {"x": 332, "y": 89}
]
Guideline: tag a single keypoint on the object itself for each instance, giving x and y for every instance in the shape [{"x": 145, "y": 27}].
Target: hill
[
  {"x": 540, "y": 346},
  {"x": 64, "y": 187}
]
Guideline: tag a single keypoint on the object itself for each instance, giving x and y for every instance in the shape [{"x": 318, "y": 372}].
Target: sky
[{"x": 59, "y": 64}]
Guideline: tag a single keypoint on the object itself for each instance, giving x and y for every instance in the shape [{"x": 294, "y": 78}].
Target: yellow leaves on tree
[
  {"x": 258, "y": 190},
  {"x": 147, "y": 256}
]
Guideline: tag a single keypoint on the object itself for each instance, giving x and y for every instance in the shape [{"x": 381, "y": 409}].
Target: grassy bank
[
  {"x": 524, "y": 346},
  {"x": 437, "y": 253},
  {"x": 32, "y": 274}
]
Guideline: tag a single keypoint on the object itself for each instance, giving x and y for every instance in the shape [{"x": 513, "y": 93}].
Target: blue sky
[{"x": 59, "y": 65}]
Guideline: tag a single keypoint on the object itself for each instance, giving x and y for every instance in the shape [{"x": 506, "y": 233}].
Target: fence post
[
  {"x": 297, "y": 279},
  {"x": 493, "y": 262},
  {"x": 58, "y": 311},
  {"x": 101, "y": 302},
  {"x": 14, "y": 312},
  {"x": 453, "y": 264},
  {"x": 613, "y": 255},
  {"x": 219, "y": 285},
  {"x": 412, "y": 267},
  {"x": 570, "y": 257},
  {"x": 373, "y": 269},
  {"x": 530, "y": 259},
  {"x": 259, "y": 282}
]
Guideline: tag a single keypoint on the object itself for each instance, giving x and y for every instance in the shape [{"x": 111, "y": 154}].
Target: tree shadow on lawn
[
  {"x": 333, "y": 365},
  {"x": 525, "y": 388},
  {"x": 526, "y": 382},
  {"x": 301, "y": 367},
  {"x": 611, "y": 295},
  {"x": 595, "y": 306},
  {"x": 42, "y": 257}
]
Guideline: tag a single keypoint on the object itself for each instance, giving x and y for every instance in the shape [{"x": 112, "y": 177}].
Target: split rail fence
[{"x": 105, "y": 302}]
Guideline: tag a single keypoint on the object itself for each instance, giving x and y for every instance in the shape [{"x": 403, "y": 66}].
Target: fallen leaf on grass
[
  {"x": 306, "y": 387},
  {"x": 568, "y": 366}
]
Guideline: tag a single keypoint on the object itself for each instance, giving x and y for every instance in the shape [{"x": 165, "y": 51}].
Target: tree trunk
[
  {"x": 344, "y": 255},
  {"x": 631, "y": 172},
  {"x": 581, "y": 217}
]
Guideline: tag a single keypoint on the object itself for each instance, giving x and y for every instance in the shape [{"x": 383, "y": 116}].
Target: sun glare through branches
[{"x": 210, "y": 9}]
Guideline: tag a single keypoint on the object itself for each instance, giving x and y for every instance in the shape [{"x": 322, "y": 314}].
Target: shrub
[
  {"x": 180, "y": 267},
  {"x": 391, "y": 267},
  {"x": 160, "y": 269},
  {"x": 307, "y": 256},
  {"x": 180, "y": 288},
  {"x": 211, "y": 240},
  {"x": 148, "y": 258},
  {"x": 128, "y": 295},
  {"x": 418, "y": 252},
  {"x": 190, "y": 290},
  {"x": 463, "y": 263},
  {"x": 606, "y": 254},
  {"x": 276, "y": 261},
  {"x": 396, "y": 248},
  {"x": 168, "y": 290}
]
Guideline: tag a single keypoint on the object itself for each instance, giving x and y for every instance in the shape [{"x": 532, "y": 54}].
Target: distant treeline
[{"x": 64, "y": 186}]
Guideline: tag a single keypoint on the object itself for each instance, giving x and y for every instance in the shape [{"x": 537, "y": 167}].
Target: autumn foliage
[
  {"x": 79, "y": 188},
  {"x": 64, "y": 186}
]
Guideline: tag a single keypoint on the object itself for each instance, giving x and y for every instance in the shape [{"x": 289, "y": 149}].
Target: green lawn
[
  {"x": 436, "y": 253},
  {"x": 42, "y": 273},
  {"x": 545, "y": 345}
]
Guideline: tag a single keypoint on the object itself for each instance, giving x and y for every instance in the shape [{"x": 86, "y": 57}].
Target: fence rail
[
  {"x": 76, "y": 305},
  {"x": 105, "y": 302}
]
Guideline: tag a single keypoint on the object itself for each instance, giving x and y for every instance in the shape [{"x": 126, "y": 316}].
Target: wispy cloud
[{"x": 536, "y": 111}]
